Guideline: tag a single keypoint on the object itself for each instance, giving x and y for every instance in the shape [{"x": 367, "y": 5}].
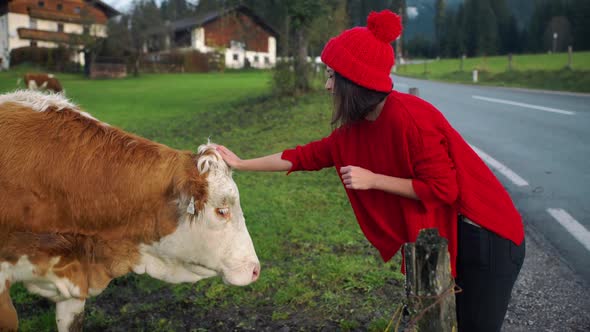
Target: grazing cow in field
[
  {"x": 42, "y": 82},
  {"x": 82, "y": 203}
]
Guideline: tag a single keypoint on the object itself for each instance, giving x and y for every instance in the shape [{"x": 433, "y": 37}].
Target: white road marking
[
  {"x": 507, "y": 172},
  {"x": 514, "y": 103},
  {"x": 576, "y": 229}
]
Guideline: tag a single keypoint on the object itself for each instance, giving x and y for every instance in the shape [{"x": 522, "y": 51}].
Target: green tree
[
  {"x": 117, "y": 44},
  {"x": 580, "y": 18},
  {"x": 147, "y": 29},
  {"x": 301, "y": 15},
  {"x": 439, "y": 24},
  {"x": 480, "y": 21},
  {"x": 176, "y": 9}
]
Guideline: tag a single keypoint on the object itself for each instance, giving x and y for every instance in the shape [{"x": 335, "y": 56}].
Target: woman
[{"x": 405, "y": 168}]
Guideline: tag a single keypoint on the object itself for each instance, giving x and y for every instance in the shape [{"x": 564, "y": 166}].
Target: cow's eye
[{"x": 223, "y": 212}]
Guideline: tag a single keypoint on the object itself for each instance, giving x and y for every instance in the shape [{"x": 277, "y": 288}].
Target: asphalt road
[{"x": 539, "y": 145}]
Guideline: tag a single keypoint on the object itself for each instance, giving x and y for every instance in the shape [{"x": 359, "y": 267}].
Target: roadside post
[
  {"x": 462, "y": 62},
  {"x": 430, "y": 287},
  {"x": 475, "y": 76}
]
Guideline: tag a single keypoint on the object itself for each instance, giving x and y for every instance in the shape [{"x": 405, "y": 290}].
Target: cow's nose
[{"x": 256, "y": 272}]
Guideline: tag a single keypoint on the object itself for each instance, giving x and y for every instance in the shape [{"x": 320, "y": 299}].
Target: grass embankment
[
  {"x": 318, "y": 270},
  {"x": 539, "y": 71}
]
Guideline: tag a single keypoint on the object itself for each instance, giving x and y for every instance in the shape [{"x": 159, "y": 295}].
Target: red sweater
[{"x": 412, "y": 139}]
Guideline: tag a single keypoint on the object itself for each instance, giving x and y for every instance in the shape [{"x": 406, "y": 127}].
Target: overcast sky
[{"x": 120, "y": 5}]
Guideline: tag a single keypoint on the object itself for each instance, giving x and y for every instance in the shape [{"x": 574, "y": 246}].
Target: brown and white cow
[
  {"x": 42, "y": 82},
  {"x": 82, "y": 203}
]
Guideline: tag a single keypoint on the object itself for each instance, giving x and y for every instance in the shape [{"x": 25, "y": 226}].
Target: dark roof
[
  {"x": 109, "y": 11},
  {"x": 200, "y": 20}
]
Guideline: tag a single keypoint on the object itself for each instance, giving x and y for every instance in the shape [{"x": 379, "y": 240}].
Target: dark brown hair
[{"x": 352, "y": 102}]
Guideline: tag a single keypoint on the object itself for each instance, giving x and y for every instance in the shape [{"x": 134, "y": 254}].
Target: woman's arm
[
  {"x": 359, "y": 178},
  {"x": 270, "y": 163}
]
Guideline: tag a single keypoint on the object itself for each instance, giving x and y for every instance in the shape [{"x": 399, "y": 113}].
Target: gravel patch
[{"x": 548, "y": 295}]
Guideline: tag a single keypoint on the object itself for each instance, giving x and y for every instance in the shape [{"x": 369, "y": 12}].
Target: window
[
  {"x": 32, "y": 23},
  {"x": 266, "y": 60},
  {"x": 237, "y": 44},
  {"x": 33, "y": 43},
  {"x": 60, "y": 27},
  {"x": 41, "y": 4},
  {"x": 77, "y": 10},
  {"x": 86, "y": 30},
  {"x": 256, "y": 59},
  {"x": 236, "y": 57},
  {"x": 60, "y": 6}
]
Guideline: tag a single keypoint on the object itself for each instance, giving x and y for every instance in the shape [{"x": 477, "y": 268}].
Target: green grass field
[
  {"x": 318, "y": 270},
  {"x": 540, "y": 71}
]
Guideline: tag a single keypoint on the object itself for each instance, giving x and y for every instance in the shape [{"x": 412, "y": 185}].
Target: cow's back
[{"x": 63, "y": 170}]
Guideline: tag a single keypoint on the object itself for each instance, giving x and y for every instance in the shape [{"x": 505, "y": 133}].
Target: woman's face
[{"x": 330, "y": 79}]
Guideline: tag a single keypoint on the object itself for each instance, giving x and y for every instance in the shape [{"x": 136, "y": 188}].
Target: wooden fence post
[
  {"x": 462, "y": 62},
  {"x": 429, "y": 284}
]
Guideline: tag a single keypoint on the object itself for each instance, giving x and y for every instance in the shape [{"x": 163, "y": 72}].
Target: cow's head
[{"x": 211, "y": 238}]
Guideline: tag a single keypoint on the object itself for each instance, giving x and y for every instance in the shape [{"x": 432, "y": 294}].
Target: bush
[
  {"x": 283, "y": 78},
  {"x": 175, "y": 61},
  {"x": 57, "y": 59}
]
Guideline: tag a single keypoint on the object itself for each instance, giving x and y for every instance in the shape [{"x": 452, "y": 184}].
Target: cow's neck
[{"x": 87, "y": 262}]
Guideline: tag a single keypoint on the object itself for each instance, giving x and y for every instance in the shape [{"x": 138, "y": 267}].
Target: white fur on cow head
[
  {"x": 41, "y": 102},
  {"x": 212, "y": 241}
]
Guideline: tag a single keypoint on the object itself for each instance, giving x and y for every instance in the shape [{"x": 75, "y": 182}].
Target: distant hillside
[{"x": 423, "y": 23}]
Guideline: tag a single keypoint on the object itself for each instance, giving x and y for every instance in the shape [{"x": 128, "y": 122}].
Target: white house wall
[
  {"x": 16, "y": 21},
  {"x": 99, "y": 30},
  {"x": 70, "y": 28},
  {"x": 43, "y": 25},
  {"x": 10, "y": 40},
  {"x": 4, "y": 52},
  {"x": 235, "y": 58},
  {"x": 198, "y": 40},
  {"x": 198, "y": 43},
  {"x": 272, "y": 50}
]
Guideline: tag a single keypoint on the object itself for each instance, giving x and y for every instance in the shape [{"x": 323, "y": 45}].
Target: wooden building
[
  {"x": 237, "y": 32},
  {"x": 49, "y": 23}
]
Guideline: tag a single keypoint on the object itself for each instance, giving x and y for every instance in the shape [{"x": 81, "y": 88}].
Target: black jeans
[{"x": 487, "y": 267}]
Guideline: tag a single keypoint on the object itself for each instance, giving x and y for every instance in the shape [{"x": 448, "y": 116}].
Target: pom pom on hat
[{"x": 385, "y": 25}]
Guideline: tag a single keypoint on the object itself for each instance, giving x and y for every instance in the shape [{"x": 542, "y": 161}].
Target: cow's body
[
  {"x": 82, "y": 203},
  {"x": 42, "y": 82}
]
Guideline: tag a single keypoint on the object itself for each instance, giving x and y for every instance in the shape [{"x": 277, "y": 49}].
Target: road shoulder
[{"x": 548, "y": 295}]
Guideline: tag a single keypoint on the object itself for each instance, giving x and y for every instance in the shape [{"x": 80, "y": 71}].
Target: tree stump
[{"x": 430, "y": 284}]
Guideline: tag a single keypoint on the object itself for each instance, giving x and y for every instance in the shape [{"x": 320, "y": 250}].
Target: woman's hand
[
  {"x": 229, "y": 157},
  {"x": 358, "y": 178}
]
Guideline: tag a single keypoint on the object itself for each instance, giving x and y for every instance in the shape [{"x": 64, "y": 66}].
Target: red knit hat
[{"x": 364, "y": 54}]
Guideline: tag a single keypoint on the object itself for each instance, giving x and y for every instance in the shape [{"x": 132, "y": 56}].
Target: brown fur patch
[
  {"x": 41, "y": 79},
  {"x": 89, "y": 193},
  {"x": 8, "y": 316}
]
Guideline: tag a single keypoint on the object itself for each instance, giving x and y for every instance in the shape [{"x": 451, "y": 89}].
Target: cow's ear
[
  {"x": 205, "y": 163},
  {"x": 209, "y": 159}
]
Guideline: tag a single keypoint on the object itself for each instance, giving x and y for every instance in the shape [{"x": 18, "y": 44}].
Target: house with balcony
[{"x": 50, "y": 23}]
